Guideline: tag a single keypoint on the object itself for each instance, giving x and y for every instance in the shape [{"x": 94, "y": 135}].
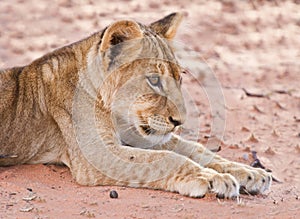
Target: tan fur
[{"x": 106, "y": 107}]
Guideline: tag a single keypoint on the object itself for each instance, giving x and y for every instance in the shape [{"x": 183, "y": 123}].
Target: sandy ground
[{"x": 253, "y": 49}]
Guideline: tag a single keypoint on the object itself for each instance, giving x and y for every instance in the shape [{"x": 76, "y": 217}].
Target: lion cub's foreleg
[
  {"x": 113, "y": 164},
  {"x": 163, "y": 170},
  {"x": 252, "y": 179}
]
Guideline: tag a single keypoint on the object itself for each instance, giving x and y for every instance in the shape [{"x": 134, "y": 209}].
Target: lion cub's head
[{"x": 142, "y": 85}]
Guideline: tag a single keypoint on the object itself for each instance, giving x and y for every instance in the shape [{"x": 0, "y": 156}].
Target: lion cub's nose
[{"x": 175, "y": 122}]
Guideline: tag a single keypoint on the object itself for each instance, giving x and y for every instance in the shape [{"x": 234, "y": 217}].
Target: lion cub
[{"x": 107, "y": 107}]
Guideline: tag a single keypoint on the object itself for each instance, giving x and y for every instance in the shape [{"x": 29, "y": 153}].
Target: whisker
[{"x": 128, "y": 128}]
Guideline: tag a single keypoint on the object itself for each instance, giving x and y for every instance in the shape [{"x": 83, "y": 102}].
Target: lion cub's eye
[{"x": 154, "y": 80}]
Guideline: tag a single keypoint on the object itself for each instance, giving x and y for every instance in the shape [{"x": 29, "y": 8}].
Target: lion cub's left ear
[
  {"x": 119, "y": 32},
  {"x": 167, "y": 26}
]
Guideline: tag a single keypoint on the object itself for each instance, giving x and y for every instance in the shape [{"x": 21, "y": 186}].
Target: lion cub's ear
[
  {"x": 119, "y": 32},
  {"x": 168, "y": 25}
]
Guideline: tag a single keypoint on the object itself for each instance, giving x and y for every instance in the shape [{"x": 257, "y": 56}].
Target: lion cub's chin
[
  {"x": 158, "y": 139},
  {"x": 146, "y": 141}
]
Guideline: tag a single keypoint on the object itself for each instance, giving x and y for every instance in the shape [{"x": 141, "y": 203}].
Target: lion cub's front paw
[
  {"x": 224, "y": 185},
  {"x": 252, "y": 180},
  {"x": 201, "y": 181}
]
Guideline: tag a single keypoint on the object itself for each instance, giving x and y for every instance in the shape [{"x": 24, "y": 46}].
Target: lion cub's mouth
[
  {"x": 154, "y": 125},
  {"x": 146, "y": 129}
]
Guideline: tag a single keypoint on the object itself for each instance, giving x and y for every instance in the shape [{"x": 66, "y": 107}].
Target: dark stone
[{"x": 113, "y": 194}]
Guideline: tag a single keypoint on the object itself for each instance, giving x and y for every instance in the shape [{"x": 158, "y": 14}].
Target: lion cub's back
[{"x": 8, "y": 87}]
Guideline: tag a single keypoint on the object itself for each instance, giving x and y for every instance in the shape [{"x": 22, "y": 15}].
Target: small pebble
[
  {"x": 113, "y": 194},
  {"x": 246, "y": 157}
]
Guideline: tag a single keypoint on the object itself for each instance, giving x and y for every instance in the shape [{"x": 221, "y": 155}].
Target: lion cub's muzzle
[{"x": 159, "y": 125}]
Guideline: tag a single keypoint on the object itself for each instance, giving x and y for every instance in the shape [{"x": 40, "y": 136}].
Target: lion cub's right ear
[{"x": 119, "y": 32}]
